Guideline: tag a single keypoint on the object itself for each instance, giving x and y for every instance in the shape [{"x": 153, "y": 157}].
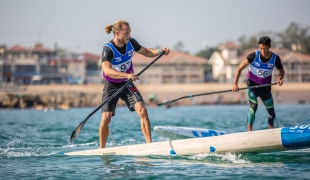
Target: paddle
[
  {"x": 80, "y": 126},
  {"x": 190, "y": 96}
]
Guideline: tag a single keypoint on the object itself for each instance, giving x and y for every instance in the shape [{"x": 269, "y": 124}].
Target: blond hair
[{"x": 116, "y": 27}]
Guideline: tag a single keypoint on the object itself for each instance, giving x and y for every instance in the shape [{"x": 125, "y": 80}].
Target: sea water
[{"x": 32, "y": 144}]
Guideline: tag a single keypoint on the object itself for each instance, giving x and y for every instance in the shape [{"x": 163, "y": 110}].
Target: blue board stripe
[
  {"x": 195, "y": 133},
  {"x": 172, "y": 152},
  {"x": 297, "y": 136}
]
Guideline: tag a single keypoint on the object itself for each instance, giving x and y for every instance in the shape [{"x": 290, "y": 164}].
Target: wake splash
[
  {"x": 227, "y": 157},
  {"x": 15, "y": 148}
]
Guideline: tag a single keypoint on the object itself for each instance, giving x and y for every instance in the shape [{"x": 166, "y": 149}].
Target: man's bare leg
[
  {"x": 104, "y": 128},
  {"x": 249, "y": 127},
  {"x": 145, "y": 121}
]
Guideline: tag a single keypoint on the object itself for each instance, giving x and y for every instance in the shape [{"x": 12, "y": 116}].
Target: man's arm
[
  {"x": 243, "y": 64},
  {"x": 280, "y": 77},
  {"x": 110, "y": 72},
  {"x": 150, "y": 52},
  {"x": 279, "y": 66}
]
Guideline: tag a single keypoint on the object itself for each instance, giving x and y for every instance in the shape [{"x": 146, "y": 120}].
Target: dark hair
[{"x": 264, "y": 40}]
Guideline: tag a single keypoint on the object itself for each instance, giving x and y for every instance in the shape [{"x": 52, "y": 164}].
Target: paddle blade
[{"x": 77, "y": 130}]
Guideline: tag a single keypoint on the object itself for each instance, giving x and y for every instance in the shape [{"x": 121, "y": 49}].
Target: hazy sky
[{"x": 78, "y": 25}]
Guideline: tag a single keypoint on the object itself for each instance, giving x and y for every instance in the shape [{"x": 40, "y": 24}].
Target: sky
[{"x": 78, "y": 25}]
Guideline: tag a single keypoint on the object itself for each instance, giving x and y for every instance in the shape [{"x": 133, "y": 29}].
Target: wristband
[{"x": 159, "y": 52}]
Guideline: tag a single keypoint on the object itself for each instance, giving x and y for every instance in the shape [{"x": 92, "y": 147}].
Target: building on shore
[
  {"x": 177, "y": 67},
  {"x": 41, "y": 65}
]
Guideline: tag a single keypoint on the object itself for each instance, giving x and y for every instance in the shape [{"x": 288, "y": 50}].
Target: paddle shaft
[
  {"x": 80, "y": 126},
  {"x": 217, "y": 92}
]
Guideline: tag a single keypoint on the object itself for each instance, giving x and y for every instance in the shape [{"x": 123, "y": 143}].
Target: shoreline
[{"x": 90, "y": 94}]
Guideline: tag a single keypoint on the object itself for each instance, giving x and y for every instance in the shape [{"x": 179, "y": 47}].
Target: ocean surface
[{"x": 32, "y": 144}]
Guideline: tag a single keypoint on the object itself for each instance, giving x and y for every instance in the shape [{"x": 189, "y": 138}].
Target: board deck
[{"x": 255, "y": 141}]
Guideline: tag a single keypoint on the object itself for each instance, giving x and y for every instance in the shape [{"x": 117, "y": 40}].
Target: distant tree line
[{"x": 295, "y": 37}]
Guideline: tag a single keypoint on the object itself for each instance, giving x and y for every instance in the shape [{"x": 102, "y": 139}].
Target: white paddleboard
[
  {"x": 176, "y": 132},
  {"x": 254, "y": 141}
]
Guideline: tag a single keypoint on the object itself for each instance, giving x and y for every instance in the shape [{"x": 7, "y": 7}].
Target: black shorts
[
  {"x": 129, "y": 94},
  {"x": 264, "y": 95},
  {"x": 263, "y": 92}
]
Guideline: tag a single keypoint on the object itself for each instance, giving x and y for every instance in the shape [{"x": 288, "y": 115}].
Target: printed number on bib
[
  {"x": 122, "y": 67},
  {"x": 262, "y": 73}
]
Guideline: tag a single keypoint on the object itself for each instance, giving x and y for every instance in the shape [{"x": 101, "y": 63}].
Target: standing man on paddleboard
[
  {"x": 261, "y": 64},
  {"x": 117, "y": 70}
]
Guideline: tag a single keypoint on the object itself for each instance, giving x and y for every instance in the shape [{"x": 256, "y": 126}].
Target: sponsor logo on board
[{"x": 299, "y": 129}]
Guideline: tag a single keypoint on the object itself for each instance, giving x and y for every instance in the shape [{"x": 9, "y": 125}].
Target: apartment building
[
  {"x": 224, "y": 62},
  {"x": 177, "y": 67},
  {"x": 38, "y": 64}
]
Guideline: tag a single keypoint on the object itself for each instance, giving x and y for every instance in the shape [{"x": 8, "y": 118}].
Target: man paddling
[
  {"x": 261, "y": 64},
  {"x": 117, "y": 69}
]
